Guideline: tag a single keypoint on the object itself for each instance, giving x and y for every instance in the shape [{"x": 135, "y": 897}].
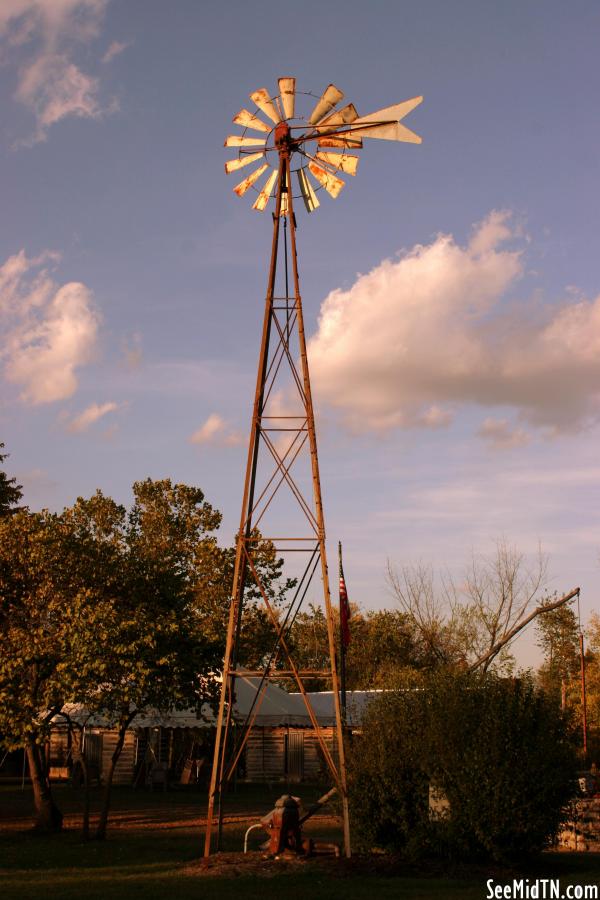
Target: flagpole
[{"x": 342, "y": 646}]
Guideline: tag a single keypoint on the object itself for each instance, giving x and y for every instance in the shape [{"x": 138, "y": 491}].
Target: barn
[{"x": 282, "y": 746}]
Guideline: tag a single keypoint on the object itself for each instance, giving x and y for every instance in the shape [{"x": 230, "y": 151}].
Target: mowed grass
[{"x": 155, "y": 843}]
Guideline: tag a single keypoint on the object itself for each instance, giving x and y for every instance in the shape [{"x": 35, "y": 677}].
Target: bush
[{"x": 497, "y": 751}]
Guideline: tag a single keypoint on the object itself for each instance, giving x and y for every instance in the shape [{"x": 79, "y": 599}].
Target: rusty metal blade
[
  {"x": 232, "y": 165},
  {"x": 241, "y": 188},
  {"x": 331, "y": 183},
  {"x": 263, "y": 198},
  {"x": 263, "y": 100},
  {"x": 344, "y": 116},
  {"x": 287, "y": 93},
  {"x": 330, "y": 97},
  {"x": 235, "y": 140},
  {"x": 343, "y": 162},
  {"x": 390, "y": 113},
  {"x": 311, "y": 201},
  {"x": 344, "y": 141},
  {"x": 248, "y": 120}
]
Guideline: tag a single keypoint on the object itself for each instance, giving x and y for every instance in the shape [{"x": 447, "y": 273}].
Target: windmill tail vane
[
  {"x": 317, "y": 141},
  {"x": 300, "y": 144}
]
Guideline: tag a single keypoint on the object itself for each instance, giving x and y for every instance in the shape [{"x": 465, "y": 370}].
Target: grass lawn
[{"x": 155, "y": 841}]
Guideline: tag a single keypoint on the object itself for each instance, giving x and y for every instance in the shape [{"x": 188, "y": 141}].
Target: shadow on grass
[{"x": 155, "y": 842}]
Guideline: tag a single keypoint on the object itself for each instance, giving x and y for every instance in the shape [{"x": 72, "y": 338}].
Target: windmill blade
[
  {"x": 241, "y": 188},
  {"x": 263, "y": 198},
  {"x": 311, "y": 201},
  {"x": 287, "y": 93},
  {"x": 344, "y": 141},
  {"x": 330, "y": 97},
  {"x": 344, "y": 116},
  {"x": 343, "y": 162},
  {"x": 390, "y": 113},
  {"x": 331, "y": 183},
  {"x": 263, "y": 100},
  {"x": 232, "y": 165},
  {"x": 386, "y": 131},
  {"x": 235, "y": 140},
  {"x": 248, "y": 120}
]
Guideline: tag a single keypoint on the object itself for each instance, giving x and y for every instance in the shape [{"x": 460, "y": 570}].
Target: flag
[{"x": 344, "y": 608}]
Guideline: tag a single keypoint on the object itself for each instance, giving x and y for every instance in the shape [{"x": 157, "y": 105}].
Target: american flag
[{"x": 344, "y": 610}]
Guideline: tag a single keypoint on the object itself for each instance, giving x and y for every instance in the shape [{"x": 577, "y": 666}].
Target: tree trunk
[
  {"x": 86, "y": 799},
  {"x": 81, "y": 758},
  {"x": 103, "y": 820},
  {"x": 48, "y": 816}
]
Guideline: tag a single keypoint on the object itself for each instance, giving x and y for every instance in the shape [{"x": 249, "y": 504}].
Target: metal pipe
[{"x": 252, "y": 827}]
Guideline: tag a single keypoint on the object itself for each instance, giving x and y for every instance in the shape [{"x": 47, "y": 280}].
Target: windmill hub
[{"x": 283, "y": 137}]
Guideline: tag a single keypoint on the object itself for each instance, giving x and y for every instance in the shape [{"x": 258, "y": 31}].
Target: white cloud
[
  {"x": 115, "y": 49},
  {"x": 216, "y": 431},
  {"x": 44, "y": 34},
  {"x": 419, "y": 337},
  {"x": 500, "y": 434},
  {"x": 50, "y": 331},
  {"x": 90, "y": 414}
]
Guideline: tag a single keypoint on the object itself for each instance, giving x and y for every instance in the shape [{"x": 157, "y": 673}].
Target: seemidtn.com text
[{"x": 540, "y": 889}]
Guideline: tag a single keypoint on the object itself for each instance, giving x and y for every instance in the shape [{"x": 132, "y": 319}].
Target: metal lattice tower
[{"x": 282, "y": 490}]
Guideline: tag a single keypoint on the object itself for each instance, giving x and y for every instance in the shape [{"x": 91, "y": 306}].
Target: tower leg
[{"x": 245, "y": 561}]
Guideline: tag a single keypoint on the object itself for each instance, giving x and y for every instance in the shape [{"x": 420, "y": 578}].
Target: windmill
[{"x": 297, "y": 155}]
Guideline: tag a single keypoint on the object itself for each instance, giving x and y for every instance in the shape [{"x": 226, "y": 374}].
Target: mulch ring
[{"x": 258, "y": 864}]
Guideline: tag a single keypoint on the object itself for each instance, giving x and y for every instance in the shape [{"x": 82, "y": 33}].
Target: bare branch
[{"x": 546, "y": 607}]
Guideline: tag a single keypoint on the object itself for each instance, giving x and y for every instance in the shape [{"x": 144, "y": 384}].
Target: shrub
[{"x": 497, "y": 750}]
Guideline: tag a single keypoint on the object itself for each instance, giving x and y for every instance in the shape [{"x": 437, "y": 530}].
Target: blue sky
[{"x": 133, "y": 278}]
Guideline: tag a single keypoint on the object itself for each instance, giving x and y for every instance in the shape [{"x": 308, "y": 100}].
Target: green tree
[
  {"x": 592, "y": 658},
  {"x": 159, "y": 656},
  {"x": 469, "y": 766},
  {"x": 120, "y": 611},
  {"x": 46, "y": 610},
  {"x": 558, "y": 638},
  {"x": 382, "y": 653},
  {"x": 10, "y": 492}
]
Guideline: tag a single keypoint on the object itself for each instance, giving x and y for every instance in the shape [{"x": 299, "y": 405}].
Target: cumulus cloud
[
  {"x": 216, "y": 431},
  {"x": 50, "y": 330},
  {"x": 435, "y": 330},
  {"x": 90, "y": 415},
  {"x": 43, "y": 36}
]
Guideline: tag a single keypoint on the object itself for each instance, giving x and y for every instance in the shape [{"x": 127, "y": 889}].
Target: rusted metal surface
[
  {"x": 263, "y": 198},
  {"x": 332, "y": 128},
  {"x": 351, "y": 143},
  {"x": 263, "y": 100},
  {"x": 232, "y": 165},
  {"x": 332, "y": 184},
  {"x": 249, "y": 120},
  {"x": 344, "y": 162},
  {"x": 287, "y": 92},
  {"x": 236, "y": 140},
  {"x": 344, "y": 116},
  {"x": 241, "y": 188},
  {"x": 311, "y": 201},
  {"x": 330, "y": 97}
]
